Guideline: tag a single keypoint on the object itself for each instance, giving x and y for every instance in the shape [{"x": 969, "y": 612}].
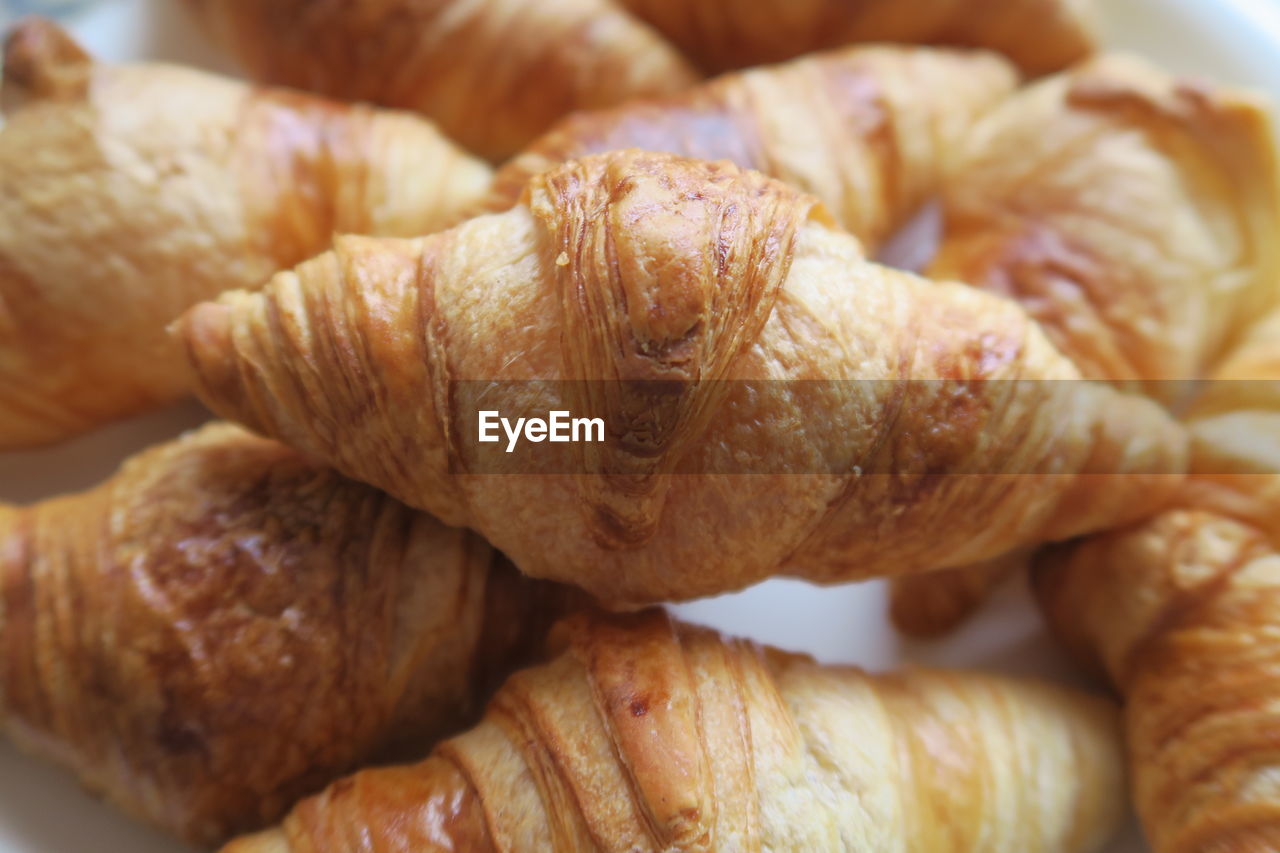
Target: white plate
[{"x": 43, "y": 811}]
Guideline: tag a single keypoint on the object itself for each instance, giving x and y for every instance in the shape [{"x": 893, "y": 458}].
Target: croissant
[
  {"x": 1134, "y": 216},
  {"x": 647, "y": 735},
  {"x": 767, "y": 399},
  {"x": 223, "y": 627},
  {"x": 1181, "y": 613},
  {"x": 492, "y": 73},
  {"x": 128, "y": 193},
  {"x": 1040, "y": 35},
  {"x": 870, "y": 130}
]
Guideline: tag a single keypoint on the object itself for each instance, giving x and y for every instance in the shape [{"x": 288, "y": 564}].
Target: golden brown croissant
[
  {"x": 224, "y": 627},
  {"x": 1135, "y": 216},
  {"x": 128, "y": 193},
  {"x": 493, "y": 73},
  {"x": 1040, "y": 35},
  {"x": 647, "y": 735},
  {"x": 1182, "y": 614},
  {"x": 770, "y": 401},
  {"x": 870, "y": 131}
]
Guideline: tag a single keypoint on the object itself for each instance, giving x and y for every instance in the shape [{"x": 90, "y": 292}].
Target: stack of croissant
[{"x": 666, "y": 215}]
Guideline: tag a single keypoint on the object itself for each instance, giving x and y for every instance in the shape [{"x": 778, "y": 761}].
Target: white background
[{"x": 43, "y": 811}]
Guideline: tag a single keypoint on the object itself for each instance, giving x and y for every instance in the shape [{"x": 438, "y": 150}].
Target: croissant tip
[
  {"x": 928, "y": 620},
  {"x": 201, "y": 326},
  {"x": 268, "y": 841},
  {"x": 42, "y": 60},
  {"x": 203, "y": 334}
]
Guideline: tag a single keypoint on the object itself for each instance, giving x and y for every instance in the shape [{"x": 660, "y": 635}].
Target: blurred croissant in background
[
  {"x": 128, "y": 193},
  {"x": 691, "y": 303},
  {"x": 871, "y": 131},
  {"x": 492, "y": 73},
  {"x": 1136, "y": 217},
  {"x": 1132, "y": 213},
  {"x": 1181, "y": 612},
  {"x": 1039, "y": 35},
  {"x": 223, "y": 627},
  {"x": 496, "y": 73},
  {"x": 644, "y": 734}
]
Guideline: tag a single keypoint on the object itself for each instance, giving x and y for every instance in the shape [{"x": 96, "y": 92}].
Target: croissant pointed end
[
  {"x": 1001, "y": 78},
  {"x": 269, "y": 841},
  {"x": 933, "y": 604},
  {"x": 41, "y": 60},
  {"x": 204, "y": 335}
]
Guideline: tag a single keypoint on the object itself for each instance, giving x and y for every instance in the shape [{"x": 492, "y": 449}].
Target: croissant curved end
[{"x": 41, "y": 60}]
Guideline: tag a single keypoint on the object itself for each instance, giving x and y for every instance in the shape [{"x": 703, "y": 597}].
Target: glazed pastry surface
[{"x": 223, "y": 627}]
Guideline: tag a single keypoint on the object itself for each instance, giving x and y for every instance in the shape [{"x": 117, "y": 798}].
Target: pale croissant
[
  {"x": 128, "y": 193},
  {"x": 644, "y": 735},
  {"x": 492, "y": 73},
  {"x": 1135, "y": 216},
  {"x": 1182, "y": 612},
  {"x": 1040, "y": 35},
  {"x": 1132, "y": 213},
  {"x": 223, "y": 627},
  {"x": 771, "y": 402},
  {"x": 870, "y": 131}
]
